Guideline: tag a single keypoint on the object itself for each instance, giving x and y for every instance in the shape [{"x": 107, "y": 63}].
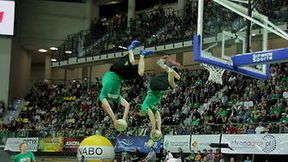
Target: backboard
[{"x": 222, "y": 37}]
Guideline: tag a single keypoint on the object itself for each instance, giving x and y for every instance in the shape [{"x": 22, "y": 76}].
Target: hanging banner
[
  {"x": 71, "y": 144},
  {"x": 51, "y": 144},
  {"x": 256, "y": 143},
  {"x": 201, "y": 142},
  {"x": 173, "y": 142},
  {"x": 131, "y": 143},
  {"x": 12, "y": 144}
]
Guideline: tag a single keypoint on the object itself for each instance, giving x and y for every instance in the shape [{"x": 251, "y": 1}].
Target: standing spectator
[
  {"x": 191, "y": 157},
  {"x": 167, "y": 156},
  {"x": 180, "y": 154},
  {"x": 198, "y": 156},
  {"x": 2, "y": 108},
  {"x": 218, "y": 155},
  {"x": 248, "y": 159},
  {"x": 82, "y": 158},
  {"x": 24, "y": 155},
  {"x": 210, "y": 156},
  {"x": 151, "y": 157},
  {"x": 285, "y": 94},
  {"x": 135, "y": 157}
]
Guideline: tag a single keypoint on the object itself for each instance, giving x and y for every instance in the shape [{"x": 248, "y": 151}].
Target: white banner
[
  {"x": 276, "y": 144},
  {"x": 201, "y": 142},
  {"x": 256, "y": 143},
  {"x": 173, "y": 142},
  {"x": 12, "y": 144},
  {"x": 7, "y": 14}
]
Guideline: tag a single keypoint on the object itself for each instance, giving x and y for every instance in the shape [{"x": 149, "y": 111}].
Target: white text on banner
[
  {"x": 256, "y": 143},
  {"x": 12, "y": 144},
  {"x": 173, "y": 142}
]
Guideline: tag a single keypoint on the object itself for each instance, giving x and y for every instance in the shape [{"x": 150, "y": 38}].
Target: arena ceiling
[{"x": 106, "y": 7}]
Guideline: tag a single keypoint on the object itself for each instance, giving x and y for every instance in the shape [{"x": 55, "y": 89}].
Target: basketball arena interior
[{"x": 229, "y": 102}]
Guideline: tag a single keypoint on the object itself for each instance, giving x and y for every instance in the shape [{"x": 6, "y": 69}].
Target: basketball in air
[
  {"x": 156, "y": 136},
  {"x": 122, "y": 125}
]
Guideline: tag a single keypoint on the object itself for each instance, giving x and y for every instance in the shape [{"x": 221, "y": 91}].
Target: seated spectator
[
  {"x": 232, "y": 129},
  {"x": 250, "y": 129},
  {"x": 260, "y": 128}
]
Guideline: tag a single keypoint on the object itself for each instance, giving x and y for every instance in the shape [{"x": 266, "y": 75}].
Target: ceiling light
[
  {"x": 122, "y": 47},
  {"x": 42, "y": 50},
  {"x": 109, "y": 2},
  {"x": 53, "y": 60},
  {"x": 68, "y": 52},
  {"x": 53, "y": 48}
]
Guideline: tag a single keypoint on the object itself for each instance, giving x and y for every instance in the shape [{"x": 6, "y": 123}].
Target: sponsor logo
[
  {"x": 176, "y": 143},
  {"x": 72, "y": 143},
  {"x": 126, "y": 142},
  {"x": 270, "y": 143},
  {"x": 90, "y": 150},
  {"x": 267, "y": 143},
  {"x": 1, "y": 16},
  {"x": 262, "y": 57}
]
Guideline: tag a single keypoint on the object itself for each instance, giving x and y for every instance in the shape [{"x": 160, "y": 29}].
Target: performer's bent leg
[
  {"x": 158, "y": 120},
  {"x": 152, "y": 120},
  {"x": 141, "y": 66}
]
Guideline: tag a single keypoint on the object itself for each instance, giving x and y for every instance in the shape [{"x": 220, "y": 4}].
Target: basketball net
[{"x": 215, "y": 73}]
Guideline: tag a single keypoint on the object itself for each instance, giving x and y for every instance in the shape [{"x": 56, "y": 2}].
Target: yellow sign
[{"x": 51, "y": 144}]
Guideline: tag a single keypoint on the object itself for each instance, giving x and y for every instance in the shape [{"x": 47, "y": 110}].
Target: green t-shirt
[
  {"x": 195, "y": 122},
  {"x": 152, "y": 101},
  {"x": 284, "y": 119},
  {"x": 191, "y": 156},
  {"x": 24, "y": 157},
  {"x": 222, "y": 113},
  {"x": 276, "y": 111}
]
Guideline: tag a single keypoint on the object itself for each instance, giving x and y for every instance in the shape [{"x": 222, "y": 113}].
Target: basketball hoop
[{"x": 215, "y": 73}]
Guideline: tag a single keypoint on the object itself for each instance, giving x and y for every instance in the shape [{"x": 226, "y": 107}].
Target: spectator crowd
[
  {"x": 163, "y": 25},
  {"x": 254, "y": 106}
]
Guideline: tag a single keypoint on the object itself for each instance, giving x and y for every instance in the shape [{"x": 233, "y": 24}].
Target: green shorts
[
  {"x": 111, "y": 86},
  {"x": 152, "y": 101}
]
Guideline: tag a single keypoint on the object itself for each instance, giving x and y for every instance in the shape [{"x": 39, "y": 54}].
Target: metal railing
[
  {"x": 142, "y": 130},
  {"x": 176, "y": 26}
]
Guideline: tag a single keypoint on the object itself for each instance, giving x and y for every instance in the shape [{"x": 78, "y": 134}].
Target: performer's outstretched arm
[
  {"x": 171, "y": 73},
  {"x": 126, "y": 106},
  {"x": 141, "y": 65},
  {"x": 106, "y": 106}
]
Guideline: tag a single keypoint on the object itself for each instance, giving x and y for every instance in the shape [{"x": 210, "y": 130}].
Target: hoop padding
[{"x": 215, "y": 73}]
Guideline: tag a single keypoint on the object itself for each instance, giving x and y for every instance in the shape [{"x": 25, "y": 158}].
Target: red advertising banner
[
  {"x": 1, "y": 16},
  {"x": 71, "y": 144}
]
